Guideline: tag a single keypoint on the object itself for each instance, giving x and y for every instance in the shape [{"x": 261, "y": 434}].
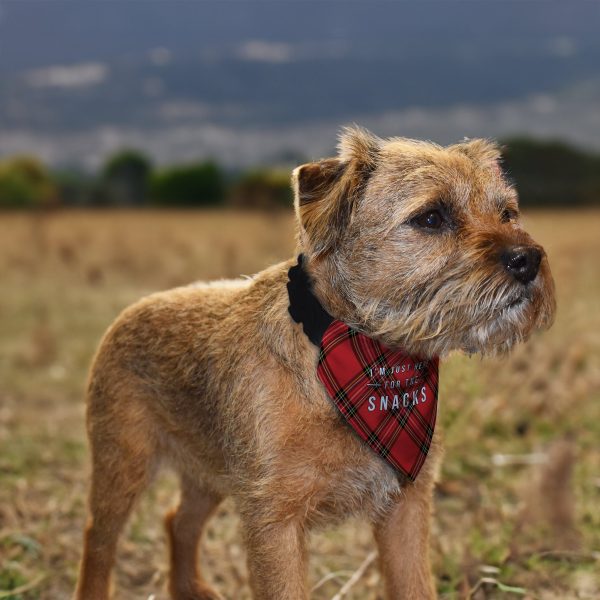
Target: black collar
[{"x": 304, "y": 306}]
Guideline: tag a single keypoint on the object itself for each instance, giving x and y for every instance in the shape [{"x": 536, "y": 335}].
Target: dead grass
[{"x": 517, "y": 511}]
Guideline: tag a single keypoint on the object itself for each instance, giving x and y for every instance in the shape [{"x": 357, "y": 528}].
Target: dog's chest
[{"x": 341, "y": 475}]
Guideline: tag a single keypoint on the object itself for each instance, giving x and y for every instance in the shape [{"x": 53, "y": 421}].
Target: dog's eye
[
  {"x": 508, "y": 215},
  {"x": 432, "y": 219}
]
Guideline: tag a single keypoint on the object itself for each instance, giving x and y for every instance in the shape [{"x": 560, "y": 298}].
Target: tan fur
[{"x": 218, "y": 381}]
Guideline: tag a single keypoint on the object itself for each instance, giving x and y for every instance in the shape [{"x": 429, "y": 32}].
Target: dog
[{"x": 408, "y": 251}]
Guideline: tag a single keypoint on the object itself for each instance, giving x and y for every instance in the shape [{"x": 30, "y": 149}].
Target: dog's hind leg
[
  {"x": 184, "y": 527},
  {"x": 121, "y": 441}
]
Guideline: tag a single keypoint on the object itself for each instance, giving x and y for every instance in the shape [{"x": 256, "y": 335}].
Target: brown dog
[{"x": 412, "y": 244}]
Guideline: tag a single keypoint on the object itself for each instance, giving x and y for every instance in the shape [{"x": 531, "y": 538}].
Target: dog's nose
[{"x": 522, "y": 262}]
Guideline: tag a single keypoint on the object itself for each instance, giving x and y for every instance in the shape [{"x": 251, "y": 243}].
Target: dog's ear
[
  {"x": 326, "y": 191},
  {"x": 484, "y": 152}
]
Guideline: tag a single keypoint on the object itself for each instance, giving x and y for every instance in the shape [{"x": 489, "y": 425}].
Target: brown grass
[{"x": 529, "y": 520}]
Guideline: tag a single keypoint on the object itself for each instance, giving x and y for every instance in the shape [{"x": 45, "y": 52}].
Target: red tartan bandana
[{"x": 388, "y": 397}]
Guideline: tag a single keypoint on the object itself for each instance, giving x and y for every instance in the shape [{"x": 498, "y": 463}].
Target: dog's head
[{"x": 420, "y": 245}]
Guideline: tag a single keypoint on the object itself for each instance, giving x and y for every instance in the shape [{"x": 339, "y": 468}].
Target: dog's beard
[
  {"x": 487, "y": 315},
  {"x": 498, "y": 332}
]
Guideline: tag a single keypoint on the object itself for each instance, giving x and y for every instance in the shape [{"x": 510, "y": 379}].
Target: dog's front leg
[
  {"x": 402, "y": 536},
  {"x": 277, "y": 560}
]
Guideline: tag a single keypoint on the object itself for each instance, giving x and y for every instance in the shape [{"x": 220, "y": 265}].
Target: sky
[{"x": 251, "y": 82}]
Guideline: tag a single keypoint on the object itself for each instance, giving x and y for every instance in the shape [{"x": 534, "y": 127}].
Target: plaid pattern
[{"x": 387, "y": 396}]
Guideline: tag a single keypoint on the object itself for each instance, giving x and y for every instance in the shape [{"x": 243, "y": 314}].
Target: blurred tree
[
  {"x": 201, "y": 184},
  {"x": 125, "y": 178},
  {"x": 262, "y": 188},
  {"x": 75, "y": 187},
  {"x": 25, "y": 183},
  {"x": 552, "y": 173}
]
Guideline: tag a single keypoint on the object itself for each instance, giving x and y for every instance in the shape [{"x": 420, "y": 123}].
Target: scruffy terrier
[{"x": 308, "y": 393}]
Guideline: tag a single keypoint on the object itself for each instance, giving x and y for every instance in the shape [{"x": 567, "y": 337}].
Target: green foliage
[
  {"x": 263, "y": 188},
  {"x": 76, "y": 188},
  {"x": 546, "y": 173},
  {"x": 127, "y": 163},
  {"x": 125, "y": 179},
  {"x": 25, "y": 183},
  {"x": 552, "y": 173},
  {"x": 200, "y": 184}
]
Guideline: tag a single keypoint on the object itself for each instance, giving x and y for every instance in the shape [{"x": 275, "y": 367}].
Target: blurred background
[{"x": 148, "y": 144}]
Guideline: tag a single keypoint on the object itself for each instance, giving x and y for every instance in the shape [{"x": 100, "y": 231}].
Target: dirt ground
[{"x": 518, "y": 502}]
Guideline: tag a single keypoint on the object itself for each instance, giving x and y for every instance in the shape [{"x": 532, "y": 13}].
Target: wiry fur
[
  {"x": 451, "y": 291},
  {"x": 217, "y": 379}
]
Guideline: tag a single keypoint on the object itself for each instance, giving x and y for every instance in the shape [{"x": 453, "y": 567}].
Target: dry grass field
[{"x": 518, "y": 502}]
